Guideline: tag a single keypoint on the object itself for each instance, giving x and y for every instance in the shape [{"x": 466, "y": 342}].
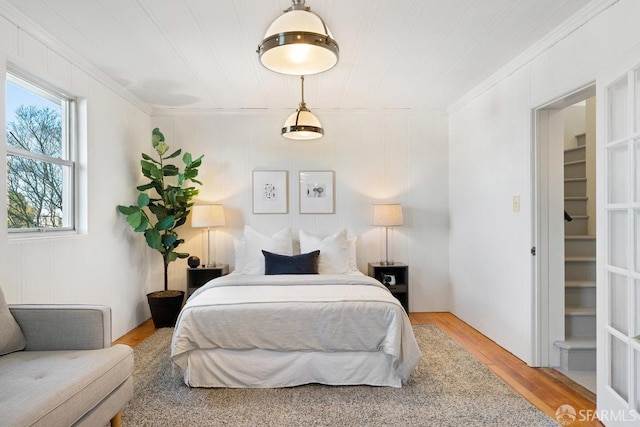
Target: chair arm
[{"x": 64, "y": 326}]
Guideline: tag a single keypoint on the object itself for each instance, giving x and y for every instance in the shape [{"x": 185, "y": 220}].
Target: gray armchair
[{"x": 68, "y": 373}]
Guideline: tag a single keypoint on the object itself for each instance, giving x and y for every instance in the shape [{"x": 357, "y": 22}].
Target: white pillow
[
  {"x": 11, "y": 338},
  {"x": 353, "y": 258},
  {"x": 238, "y": 247},
  {"x": 334, "y": 251},
  {"x": 253, "y": 259}
]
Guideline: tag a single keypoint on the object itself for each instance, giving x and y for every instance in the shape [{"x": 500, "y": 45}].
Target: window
[{"x": 40, "y": 156}]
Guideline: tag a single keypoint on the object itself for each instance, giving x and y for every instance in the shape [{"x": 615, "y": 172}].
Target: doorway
[{"x": 564, "y": 235}]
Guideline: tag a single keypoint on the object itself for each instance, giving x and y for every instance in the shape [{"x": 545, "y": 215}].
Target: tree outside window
[{"x": 39, "y": 163}]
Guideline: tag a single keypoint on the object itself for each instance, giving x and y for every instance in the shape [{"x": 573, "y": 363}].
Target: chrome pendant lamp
[
  {"x": 298, "y": 43},
  {"x": 302, "y": 125}
]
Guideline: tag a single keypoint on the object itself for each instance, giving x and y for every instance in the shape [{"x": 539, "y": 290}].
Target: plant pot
[{"x": 165, "y": 307}]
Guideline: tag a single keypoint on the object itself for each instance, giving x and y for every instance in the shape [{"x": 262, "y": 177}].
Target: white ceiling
[{"x": 393, "y": 54}]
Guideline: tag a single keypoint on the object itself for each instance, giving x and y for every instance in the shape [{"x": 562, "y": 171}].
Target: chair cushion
[
  {"x": 11, "y": 337},
  {"x": 59, "y": 387}
]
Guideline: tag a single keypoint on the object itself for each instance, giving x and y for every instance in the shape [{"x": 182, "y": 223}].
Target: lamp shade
[
  {"x": 205, "y": 216},
  {"x": 298, "y": 43},
  {"x": 302, "y": 125},
  {"x": 388, "y": 215}
]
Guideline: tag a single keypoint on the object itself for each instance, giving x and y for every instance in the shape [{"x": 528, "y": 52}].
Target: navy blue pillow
[{"x": 296, "y": 264}]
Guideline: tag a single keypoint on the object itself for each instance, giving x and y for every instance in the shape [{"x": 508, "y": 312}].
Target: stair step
[
  {"x": 575, "y": 205},
  {"x": 577, "y": 344},
  {"x": 580, "y": 311},
  {"x": 580, "y": 284},
  {"x": 580, "y": 237},
  {"x": 579, "y": 225},
  {"x": 574, "y": 153},
  {"x": 575, "y": 187},
  {"x": 575, "y": 169}
]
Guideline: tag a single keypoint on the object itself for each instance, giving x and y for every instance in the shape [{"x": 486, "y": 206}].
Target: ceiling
[{"x": 393, "y": 54}]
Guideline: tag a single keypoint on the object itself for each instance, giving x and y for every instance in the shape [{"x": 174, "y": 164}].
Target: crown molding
[
  {"x": 26, "y": 24},
  {"x": 573, "y": 23}
]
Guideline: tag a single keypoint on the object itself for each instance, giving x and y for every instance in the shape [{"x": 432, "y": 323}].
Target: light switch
[{"x": 516, "y": 203}]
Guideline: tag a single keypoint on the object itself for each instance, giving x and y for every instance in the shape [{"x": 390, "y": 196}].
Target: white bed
[{"x": 266, "y": 331}]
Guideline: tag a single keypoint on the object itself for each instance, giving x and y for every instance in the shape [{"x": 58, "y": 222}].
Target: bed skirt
[{"x": 275, "y": 369}]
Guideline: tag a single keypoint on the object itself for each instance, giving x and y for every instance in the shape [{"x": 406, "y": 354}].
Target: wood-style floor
[{"x": 547, "y": 390}]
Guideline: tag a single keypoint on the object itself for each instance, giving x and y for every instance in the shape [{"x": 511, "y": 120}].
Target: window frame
[{"x": 69, "y": 154}]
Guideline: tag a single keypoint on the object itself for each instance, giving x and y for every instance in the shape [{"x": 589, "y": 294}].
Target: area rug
[{"x": 448, "y": 388}]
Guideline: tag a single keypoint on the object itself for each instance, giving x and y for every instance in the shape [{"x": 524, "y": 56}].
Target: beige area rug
[{"x": 448, "y": 388}]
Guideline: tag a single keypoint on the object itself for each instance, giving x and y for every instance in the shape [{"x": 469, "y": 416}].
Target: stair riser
[
  {"x": 576, "y": 207},
  {"x": 575, "y": 188},
  {"x": 580, "y": 326},
  {"x": 578, "y": 360},
  {"x": 577, "y": 227},
  {"x": 580, "y": 297},
  {"x": 577, "y": 170},
  {"x": 573, "y": 155},
  {"x": 580, "y": 271},
  {"x": 580, "y": 247}
]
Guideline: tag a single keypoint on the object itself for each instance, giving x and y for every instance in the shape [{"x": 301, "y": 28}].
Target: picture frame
[
  {"x": 317, "y": 192},
  {"x": 270, "y": 192}
]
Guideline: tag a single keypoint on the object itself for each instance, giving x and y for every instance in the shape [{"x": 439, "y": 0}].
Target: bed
[{"x": 282, "y": 330}]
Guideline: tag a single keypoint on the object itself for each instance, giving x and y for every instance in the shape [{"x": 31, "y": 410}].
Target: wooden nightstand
[
  {"x": 400, "y": 272},
  {"x": 198, "y": 276}
]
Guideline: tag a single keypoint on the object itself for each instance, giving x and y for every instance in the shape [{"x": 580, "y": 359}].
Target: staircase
[{"x": 578, "y": 350}]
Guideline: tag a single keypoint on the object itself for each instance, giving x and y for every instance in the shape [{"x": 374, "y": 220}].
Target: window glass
[{"x": 40, "y": 167}]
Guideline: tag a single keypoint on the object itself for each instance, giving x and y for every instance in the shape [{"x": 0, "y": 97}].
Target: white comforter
[{"x": 327, "y": 313}]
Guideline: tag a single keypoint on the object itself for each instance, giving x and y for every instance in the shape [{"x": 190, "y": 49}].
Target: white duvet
[{"x": 296, "y": 313}]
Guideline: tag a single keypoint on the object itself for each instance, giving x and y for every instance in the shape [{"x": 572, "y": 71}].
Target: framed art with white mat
[
  {"x": 317, "y": 192},
  {"x": 270, "y": 192}
]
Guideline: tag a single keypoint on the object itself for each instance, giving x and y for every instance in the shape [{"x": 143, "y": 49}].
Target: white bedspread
[{"x": 296, "y": 313}]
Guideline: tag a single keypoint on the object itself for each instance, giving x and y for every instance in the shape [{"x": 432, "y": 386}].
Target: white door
[{"x": 618, "y": 269}]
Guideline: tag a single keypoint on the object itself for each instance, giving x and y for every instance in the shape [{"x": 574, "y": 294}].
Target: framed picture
[
  {"x": 270, "y": 192},
  {"x": 317, "y": 192}
]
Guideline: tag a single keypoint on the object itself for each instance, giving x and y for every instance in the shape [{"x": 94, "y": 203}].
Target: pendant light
[
  {"x": 302, "y": 124},
  {"x": 298, "y": 43}
]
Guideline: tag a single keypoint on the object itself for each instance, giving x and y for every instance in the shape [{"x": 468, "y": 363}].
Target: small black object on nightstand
[{"x": 395, "y": 277}]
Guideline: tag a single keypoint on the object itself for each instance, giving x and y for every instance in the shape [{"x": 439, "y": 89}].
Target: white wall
[
  {"x": 389, "y": 156},
  {"x": 103, "y": 265},
  {"x": 490, "y": 160}
]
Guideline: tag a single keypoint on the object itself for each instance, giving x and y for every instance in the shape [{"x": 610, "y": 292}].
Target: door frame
[{"x": 548, "y": 310}]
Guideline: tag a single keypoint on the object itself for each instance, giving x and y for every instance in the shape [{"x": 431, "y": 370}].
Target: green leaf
[
  {"x": 187, "y": 159},
  {"x": 151, "y": 159},
  {"x": 170, "y": 170},
  {"x": 171, "y": 256},
  {"x": 156, "y": 137},
  {"x": 174, "y": 154},
  {"x": 146, "y": 187},
  {"x": 127, "y": 210},
  {"x": 165, "y": 223},
  {"x": 159, "y": 211},
  {"x": 134, "y": 219},
  {"x": 143, "y": 225},
  {"x": 143, "y": 200},
  {"x": 182, "y": 255},
  {"x": 153, "y": 239},
  {"x": 169, "y": 239}
]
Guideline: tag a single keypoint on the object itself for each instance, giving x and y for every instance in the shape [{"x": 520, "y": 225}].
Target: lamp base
[{"x": 387, "y": 262}]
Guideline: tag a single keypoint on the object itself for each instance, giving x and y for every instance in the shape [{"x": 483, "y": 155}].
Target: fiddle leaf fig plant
[{"x": 164, "y": 202}]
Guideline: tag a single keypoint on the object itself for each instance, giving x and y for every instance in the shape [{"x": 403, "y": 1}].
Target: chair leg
[{"x": 116, "y": 421}]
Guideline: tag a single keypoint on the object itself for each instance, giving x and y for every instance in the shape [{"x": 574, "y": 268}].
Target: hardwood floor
[{"x": 545, "y": 389}]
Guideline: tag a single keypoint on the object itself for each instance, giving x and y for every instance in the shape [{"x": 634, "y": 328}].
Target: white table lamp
[
  {"x": 389, "y": 215},
  {"x": 208, "y": 216}
]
